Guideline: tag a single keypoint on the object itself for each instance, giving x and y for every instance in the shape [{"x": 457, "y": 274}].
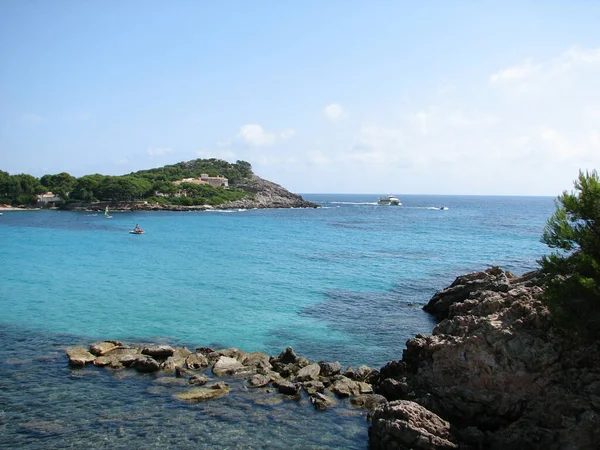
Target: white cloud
[
  {"x": 334, "y": 112},
  {"x": 159, "y": 151},
  {"x": 255, "y": 135},
  {"x": 515, "y": 73}
]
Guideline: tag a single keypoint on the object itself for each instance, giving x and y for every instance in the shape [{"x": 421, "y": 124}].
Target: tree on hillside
[{"x": 573, "y": 283}]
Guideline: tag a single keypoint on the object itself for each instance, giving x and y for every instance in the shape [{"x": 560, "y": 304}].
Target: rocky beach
[{"x": 494, "y": 373}]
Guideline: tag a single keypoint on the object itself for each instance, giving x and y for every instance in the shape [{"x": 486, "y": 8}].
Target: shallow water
[{"x": 345, "y": 282}]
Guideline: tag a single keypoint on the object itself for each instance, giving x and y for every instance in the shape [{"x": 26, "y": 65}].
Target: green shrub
[{"x": 573, "y": 283}]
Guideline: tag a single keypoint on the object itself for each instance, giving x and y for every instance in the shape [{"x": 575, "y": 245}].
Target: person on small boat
[{"x": 137, "y": 228}]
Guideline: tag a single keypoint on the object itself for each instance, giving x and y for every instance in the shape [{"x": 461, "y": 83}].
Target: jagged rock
[
  {"x": 350, "y": 373},
  {"x": 345, "y": 387},
  {"x": 312, "y": 387},
  {"x": 196, "y": 361},
  {"x": 497, "y": 368},
  {"x": 407, "y": 425},
  {"x": 118, "y": 358},
  {"x": 204, "y": 350},
  {"x": 103, "y": 347},
  {"x": 266, "y": 195},
  {"x": 198, "y": 379},
  {"x": 259, "y": 380},
  {"x": 288, "y": 356},
  {"x": 367, "y": 401},
  {"x": 158, "y": 351},
  {"x": 364, "y": 388},
  {"x": 363, "y": 373},
  {"x": 79, "y": 356},
  {"x": 321, "y": 402},
  {"x": 257, "y": 359},
  {"x": 288, "y": 388},
  {"x": 177, "y": 359},
  {"x": 145, "y": 363},
  {"x": 228, "y": 366},
  {"x": 329, "y": 369},
  {"x": 235, "y": 353},
  {"x": 202, "y": 394},
  {"x": 310, "y": 372}
]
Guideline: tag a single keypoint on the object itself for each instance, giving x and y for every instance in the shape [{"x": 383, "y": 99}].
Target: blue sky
[{"x": 398, "y": 97}]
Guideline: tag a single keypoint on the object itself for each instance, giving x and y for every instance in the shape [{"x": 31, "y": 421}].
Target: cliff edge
[{"x": 495, "y": 373}]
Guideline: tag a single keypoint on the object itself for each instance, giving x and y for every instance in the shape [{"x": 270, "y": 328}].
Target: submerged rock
[
  {"x": 79, "y": 356},
  {"x": 202, "y": 394}
]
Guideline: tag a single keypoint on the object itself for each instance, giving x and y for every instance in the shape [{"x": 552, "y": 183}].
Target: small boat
[
  {"x": 389, "y": 200},
  {"x": 106, "y": 213},
  {"x": 136, "y": 232}
]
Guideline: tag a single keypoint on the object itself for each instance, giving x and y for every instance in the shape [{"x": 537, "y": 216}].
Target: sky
[{"x": 436, "y": 97}]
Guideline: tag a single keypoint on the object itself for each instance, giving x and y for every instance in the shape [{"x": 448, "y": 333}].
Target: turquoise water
[{"x": 344, "y": 282}]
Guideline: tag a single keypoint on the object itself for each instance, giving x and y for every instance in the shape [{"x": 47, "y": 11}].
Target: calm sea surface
[{"x": 344, "y": 282}]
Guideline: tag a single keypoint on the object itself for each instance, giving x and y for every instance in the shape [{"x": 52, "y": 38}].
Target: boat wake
[{"x": 353, "y": 203}]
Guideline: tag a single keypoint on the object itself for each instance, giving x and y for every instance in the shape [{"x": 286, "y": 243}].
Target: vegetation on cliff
[
  {"x": 22, "y": 189},
  {"x": 573, "y": 283}
]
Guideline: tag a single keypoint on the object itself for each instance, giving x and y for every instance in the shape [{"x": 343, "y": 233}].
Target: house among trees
[
  {"x": 218, "y": 181},
  {"x": 48, "y": 198}
]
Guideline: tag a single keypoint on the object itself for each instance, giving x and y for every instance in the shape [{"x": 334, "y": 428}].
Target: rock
[
  {"x": 158, "y": 351},
  {"x": 310, "y": 372},
  {"x": 204, "y": 350},
  {"x": 363, "y": 373},
  {"x": 407, "y": 425},
  {"x": 196, "y": 361},
  {"x": 181, "y": 372},
  {"x": 201, "y": 394},
  {"x": 145, "y": 363},
  {"x": 288, "y": 388},
  {"x": 118, "y": 358},
  {"x": 234, "y": 353},
  {"x": 199, "y": 380},
  {"x": 266, "y": 195},
  {"x": 103, "y": 347},
  {"x": 312, "y": 387},
  {"x": 259, "y": 380},
  {"x": 288, "y": 356},
  {"x": 227, "y": 366},
  {"x": 329, "y": 369},
  {"x": 79, "y": 356},
  {"x": 367, "y": 401},
  {"x": 177, "y": 359},
  {"x": 496, "y": 367},
  {"x": 257, "y": 359},
  {"x": 344, "y": 387},
  {"x": 321, "y": 402}
]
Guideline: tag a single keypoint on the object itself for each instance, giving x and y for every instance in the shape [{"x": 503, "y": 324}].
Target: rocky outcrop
[
  {"x": 407, "y": 425},
  {"x": 497, "y": 370},
  {"x": 266, "y": 195}
]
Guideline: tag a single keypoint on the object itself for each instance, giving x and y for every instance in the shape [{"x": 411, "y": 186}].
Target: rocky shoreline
[{"x": 495, "y": 373}]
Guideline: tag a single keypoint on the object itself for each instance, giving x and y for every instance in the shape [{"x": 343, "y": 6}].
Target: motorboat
[
  {"x": 389, "y": 200},
  {"x": 136, "y": 232}
]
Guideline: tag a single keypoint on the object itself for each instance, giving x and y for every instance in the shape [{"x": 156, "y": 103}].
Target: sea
[{"x": 344, "y": 282}]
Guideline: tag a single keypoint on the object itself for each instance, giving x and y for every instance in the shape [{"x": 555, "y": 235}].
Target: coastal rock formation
[
  {"x": 266, "y": 195},
  {"x": 496, "y": 369}
]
